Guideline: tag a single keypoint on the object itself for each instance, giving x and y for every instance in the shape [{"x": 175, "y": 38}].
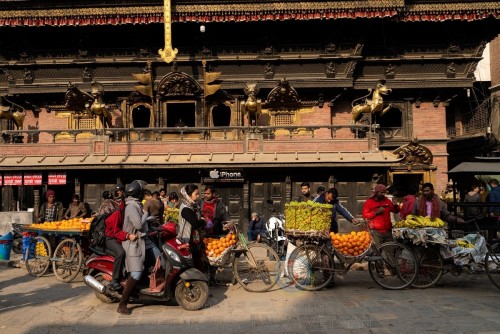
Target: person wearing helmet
[
  {"x": 140, "y": 250},
  {"x": 120, "y": 195}
]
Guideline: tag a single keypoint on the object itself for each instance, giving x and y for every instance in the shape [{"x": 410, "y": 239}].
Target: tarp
[{"x": 477, "y": 168}]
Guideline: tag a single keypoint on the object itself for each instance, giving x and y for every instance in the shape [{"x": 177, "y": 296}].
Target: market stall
[
  {"x": 437, "y": 254},
  {"x": 68, "y": 238},
  {"x": 321, "y": 255}
]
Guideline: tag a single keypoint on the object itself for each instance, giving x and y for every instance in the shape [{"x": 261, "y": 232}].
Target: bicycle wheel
[
  {"x": 430, "y": 266},
  {"x": 393, "y": 267},
  {"x": 310, "y": 267},
  {"x": 492, "y": 264},
  {"x": 37, "y": 256},
  {"x": 258, "y": 269},
  {"x": 67, "y": 260}
]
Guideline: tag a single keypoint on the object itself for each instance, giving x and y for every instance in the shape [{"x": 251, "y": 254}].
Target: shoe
[{"x": 114, "y": 285}]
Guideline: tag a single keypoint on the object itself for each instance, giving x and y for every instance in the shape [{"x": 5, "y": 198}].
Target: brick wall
[{"x": 429, "y": 121}]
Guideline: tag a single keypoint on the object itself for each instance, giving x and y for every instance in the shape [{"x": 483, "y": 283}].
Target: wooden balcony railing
[{"x": 191, "y": 133}]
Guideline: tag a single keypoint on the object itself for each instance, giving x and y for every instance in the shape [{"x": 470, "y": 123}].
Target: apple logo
[{"x": 214, "y": 174}]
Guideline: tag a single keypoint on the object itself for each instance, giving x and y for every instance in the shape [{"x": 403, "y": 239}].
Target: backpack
[{"x": 97, "y": 228}]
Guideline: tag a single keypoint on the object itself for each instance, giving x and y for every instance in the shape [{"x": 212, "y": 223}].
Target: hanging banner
[
  {"x": 13, "y": 179},
  {"x": 57, "y": 178},
  {"x": 32, "y": 179}
]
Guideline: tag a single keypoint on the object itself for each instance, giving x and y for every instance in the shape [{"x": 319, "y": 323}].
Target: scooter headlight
[{"x": 173, "y": 255}]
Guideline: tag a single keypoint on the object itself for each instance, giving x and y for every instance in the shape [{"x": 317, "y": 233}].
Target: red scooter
[{"x": 182, "y": 282}]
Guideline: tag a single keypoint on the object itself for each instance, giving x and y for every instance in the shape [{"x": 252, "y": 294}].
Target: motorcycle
[
  {"x": 182, "y": 282},
  {"x": 275, "y": 226}
]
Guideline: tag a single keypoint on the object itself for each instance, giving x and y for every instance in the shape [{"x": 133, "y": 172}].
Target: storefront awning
[
  {"x": 477, "y": 168},
  {"x": 201, "y": 160}
]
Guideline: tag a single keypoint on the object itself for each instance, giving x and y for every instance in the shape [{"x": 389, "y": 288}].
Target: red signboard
[
  {"x": 1, "y": 180},
  {"x": 32, "y": 179},
  {"x": 57, "y": 178},
  {"x": 13, "y": 179}
]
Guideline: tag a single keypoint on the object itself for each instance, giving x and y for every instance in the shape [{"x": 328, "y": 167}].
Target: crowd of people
[{"x": 127, "y": 208}]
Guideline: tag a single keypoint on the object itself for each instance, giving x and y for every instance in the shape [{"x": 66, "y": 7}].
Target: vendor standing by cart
[
  {"x": 331, "y": 197},
  {"x": 377, "y": 210},
  {"x": 51, "y": 210},
  {"x": 429, "y": 204}
]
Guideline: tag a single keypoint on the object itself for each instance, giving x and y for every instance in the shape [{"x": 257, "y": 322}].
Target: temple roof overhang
[
  {"x": 200, "y": 160},
  {"x": 105, "y": 13}
]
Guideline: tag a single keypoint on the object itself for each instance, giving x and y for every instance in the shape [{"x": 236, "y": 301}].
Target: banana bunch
[
  {"x": 464, "y": 243},
  {"x": 171, "y": 215},
  {"x": 413, "y": 221},
  {"x": 306, "y": 216}
]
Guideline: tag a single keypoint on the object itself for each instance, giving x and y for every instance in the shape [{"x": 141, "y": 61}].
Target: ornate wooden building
[{"x": 258, "y": 98}]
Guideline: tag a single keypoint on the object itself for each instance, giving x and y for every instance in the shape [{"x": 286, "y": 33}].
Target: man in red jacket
[
  {"x": 114, "y": 237},
  {"x": 377, "y": 210}
]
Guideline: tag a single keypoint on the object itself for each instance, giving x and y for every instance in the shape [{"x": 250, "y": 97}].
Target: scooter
[
  {"x": 276, "y": 230},
  {"x": 182, "y": 282}
]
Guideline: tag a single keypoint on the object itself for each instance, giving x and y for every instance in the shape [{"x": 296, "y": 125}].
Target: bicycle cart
[
  {"x": 67, "y": 258},
  {"x": 438, "y": 255},
  {"x": 319, "y": 257},
  {"x": 255, "y": 266}
]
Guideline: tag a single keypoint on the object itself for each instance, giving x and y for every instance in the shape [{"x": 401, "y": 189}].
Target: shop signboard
[
  {"x": 13, "y": 179},
  {"x": 224, "y": 175},
  {"x": 57, "y": 178},
  {"x": 32, "y": 179}
]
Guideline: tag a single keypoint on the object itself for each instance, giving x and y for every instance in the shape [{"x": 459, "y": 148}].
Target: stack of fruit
[
  {"x": 412, "y": 221},
  {"x": 77, "y": 224},
  {"x": 171, "y": 215},
  {"x": 308, "y": 216},
  {"x": 351, "y": 244},
  {"x": 40, "y": 249},
  {"x": 215, "y": 247}
]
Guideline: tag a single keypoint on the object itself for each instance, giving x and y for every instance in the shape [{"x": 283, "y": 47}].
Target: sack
[
  {"x": 157, "y": 277},
  {"x": 97, "y": 228}
]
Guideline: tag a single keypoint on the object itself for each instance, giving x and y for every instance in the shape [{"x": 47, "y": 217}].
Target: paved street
[{"x": 464, "y": 304}]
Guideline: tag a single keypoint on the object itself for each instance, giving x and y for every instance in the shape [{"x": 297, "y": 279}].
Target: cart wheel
[
  {"x": 67, "y": 260},
  {"x": 430, "y": 266},
  {"x": 492, "y": 263},
  {"x": 311, "y": 267},
  {"x": 394, "y": 266},
  {"x": 37, "y": 256},
  {"x": 258, "y": 269}
]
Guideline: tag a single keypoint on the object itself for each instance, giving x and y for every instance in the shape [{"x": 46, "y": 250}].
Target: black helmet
[
  {"x": 135, "y": 188},
  {"x": 119, "y": 186}
]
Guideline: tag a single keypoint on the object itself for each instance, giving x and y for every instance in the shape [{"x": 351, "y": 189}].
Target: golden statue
[
  {"x": 91, "y": 104},
  {"x": 14, "y": 114},
  {"x": 375, "y": 105},
  {"x": 251, "y": 106}
]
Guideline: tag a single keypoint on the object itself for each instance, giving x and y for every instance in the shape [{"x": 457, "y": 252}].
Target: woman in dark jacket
[{"x": 190, "y": 224}]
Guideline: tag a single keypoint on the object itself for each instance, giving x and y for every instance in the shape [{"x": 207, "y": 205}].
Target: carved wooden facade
[{"x": 310, "y": 59}]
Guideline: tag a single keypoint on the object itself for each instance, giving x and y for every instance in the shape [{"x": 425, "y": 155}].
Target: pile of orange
[
  {"x": 215, "y": 247},
  {"x": 67, "y": 224},
  {"x": 351, "y": 244}
]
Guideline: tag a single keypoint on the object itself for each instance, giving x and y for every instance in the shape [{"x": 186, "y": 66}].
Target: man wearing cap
[
  {"x": 120, "y": 195},
  {"x": 377, "y": 210},
  {"x": 51, "y": 210}
]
